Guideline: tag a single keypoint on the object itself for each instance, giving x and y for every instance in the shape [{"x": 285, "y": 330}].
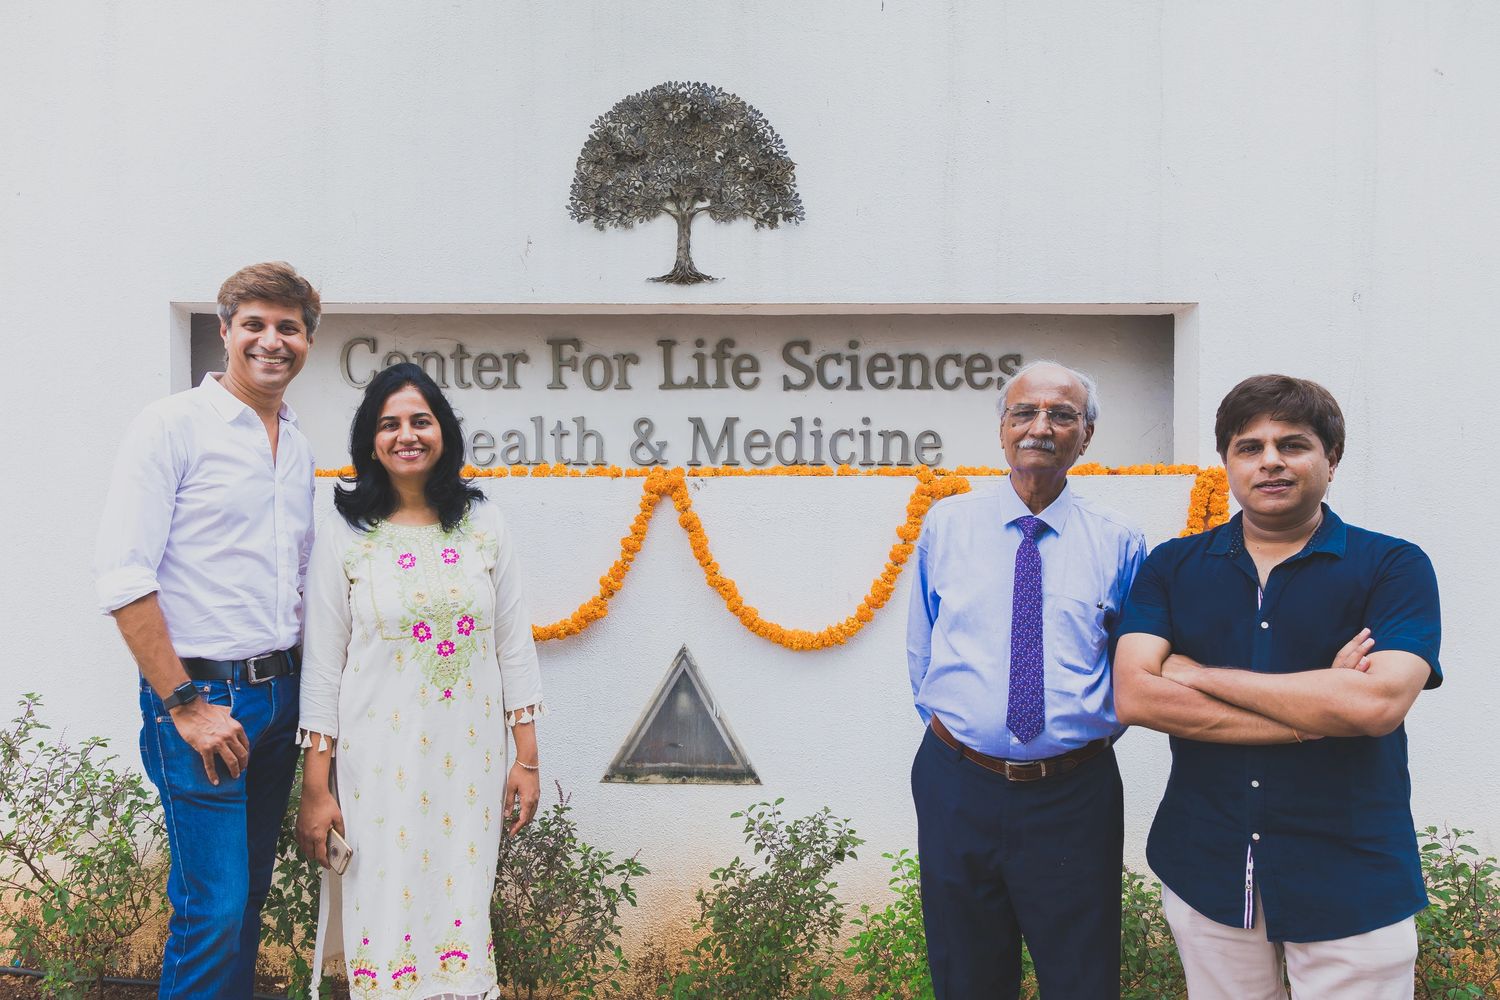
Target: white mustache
[{"x": 1037, "y": 444}]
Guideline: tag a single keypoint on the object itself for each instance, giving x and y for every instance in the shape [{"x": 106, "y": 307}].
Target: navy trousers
[{"x": 1004, "y": 861}]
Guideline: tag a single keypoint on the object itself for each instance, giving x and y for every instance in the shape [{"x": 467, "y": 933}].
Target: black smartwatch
[{"x": 181, "y": 695}]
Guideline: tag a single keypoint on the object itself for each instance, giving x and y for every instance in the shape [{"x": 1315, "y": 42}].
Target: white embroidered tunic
[{"x": 418, "y": 641}]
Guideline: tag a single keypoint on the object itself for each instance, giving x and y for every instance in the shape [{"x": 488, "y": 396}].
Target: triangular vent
[{"x": 681, "y": 737}]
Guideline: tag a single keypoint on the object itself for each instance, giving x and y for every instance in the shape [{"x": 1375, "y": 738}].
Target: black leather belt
[{"x": 254, "y": 670}]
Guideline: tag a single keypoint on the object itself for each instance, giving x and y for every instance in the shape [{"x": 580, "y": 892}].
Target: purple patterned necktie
[{"x": 1025, "y": 710}]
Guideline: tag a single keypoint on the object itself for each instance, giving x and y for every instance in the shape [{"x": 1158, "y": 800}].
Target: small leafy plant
[
  {"x": 1459, "y": 934},
  {"x": 82, "y": 855},
  {"x": 1150, "y": 968},
  {"x": 890, "y": 947},
  {"x": 556, "y": 908},
  {"x": 768, "y": 933}
]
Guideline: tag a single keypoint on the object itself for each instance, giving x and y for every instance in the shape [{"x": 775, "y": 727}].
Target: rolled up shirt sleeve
[
  {"x": 329, "y": 625},
  {"x": 137, "y": 513}
]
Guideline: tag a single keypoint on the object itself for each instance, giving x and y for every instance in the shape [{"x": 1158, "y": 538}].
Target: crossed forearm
[
  {"x": 1170, "y": 707},
  {"x": 1326, "y": 702}
]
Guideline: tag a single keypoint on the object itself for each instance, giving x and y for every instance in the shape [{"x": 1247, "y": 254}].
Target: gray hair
[{"x": 1090, "y": 389}]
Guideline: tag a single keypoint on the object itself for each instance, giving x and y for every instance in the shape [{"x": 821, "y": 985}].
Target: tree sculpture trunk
[{"x": 683, "y": 272}]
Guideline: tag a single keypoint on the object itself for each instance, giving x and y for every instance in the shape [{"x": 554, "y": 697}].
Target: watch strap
[{"x": 181, "y": 694}]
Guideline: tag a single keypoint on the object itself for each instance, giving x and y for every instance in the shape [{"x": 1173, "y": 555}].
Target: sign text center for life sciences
[{"x": 568, "y": 366}]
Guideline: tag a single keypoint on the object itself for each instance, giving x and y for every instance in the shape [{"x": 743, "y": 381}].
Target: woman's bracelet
[{"x": 530, "y": 767}]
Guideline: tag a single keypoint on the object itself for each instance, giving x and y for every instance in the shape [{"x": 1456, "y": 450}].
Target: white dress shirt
[{"x": 199, "y": 513}]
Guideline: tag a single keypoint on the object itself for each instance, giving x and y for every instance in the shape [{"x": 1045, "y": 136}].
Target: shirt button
[
  {"x": 1265, "y": 624},
  {"x": 1254, "y": 783},
  {"x": 1255, "y": 836}
]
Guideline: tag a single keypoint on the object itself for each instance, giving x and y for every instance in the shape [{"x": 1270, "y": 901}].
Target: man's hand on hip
[{"x": 215, "y": 735}]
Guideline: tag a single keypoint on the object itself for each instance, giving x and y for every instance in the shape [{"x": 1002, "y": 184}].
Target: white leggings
[{"x": 1231, "y": 963}]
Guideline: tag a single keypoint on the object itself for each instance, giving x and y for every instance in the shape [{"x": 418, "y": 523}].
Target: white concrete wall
[{"x": 1317, "y": 179}]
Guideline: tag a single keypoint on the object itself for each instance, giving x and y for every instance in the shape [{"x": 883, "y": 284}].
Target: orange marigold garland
[
  {"x": 1208, "y": 507},
  {"x": 610, "y": 583}
]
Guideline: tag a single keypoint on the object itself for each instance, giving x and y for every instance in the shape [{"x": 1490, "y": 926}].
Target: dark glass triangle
[
  {"x": 679, "y": 738},
  {"x": 683, "y": 733}
]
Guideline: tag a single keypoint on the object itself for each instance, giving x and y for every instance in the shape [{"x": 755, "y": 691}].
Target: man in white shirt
[{"x": 202, "y": 552}]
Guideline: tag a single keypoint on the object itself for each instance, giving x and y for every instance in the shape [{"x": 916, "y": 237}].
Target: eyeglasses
[{"x": 1022, "y": 414}]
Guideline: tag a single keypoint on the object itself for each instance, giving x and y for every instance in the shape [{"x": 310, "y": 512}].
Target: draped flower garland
[{"x": 1208, "y": 507}]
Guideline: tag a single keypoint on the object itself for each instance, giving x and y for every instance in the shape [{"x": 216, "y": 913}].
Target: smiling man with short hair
[
  {"x": 1282, "y": 652},
  {"x": 202, "y": 553}
]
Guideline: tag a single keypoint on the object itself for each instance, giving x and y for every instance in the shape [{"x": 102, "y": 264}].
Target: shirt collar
[
  {"x": 229, "y": 406},
  {"x": 1331, "y": 537},
  {"x": 1055, "y": 516}
]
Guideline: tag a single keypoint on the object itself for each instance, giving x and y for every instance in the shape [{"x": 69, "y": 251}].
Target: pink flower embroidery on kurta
[
  {"x": 421, "y": 631},
  {"x": 445, "y": 648},
  {"x": 464, "y": 626},
  {"x": 450, "y": 556},
  {"x": 406, "y": 560}
]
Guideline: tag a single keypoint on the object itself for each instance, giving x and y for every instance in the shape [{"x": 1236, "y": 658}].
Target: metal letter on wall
[
  {"x": 682, "y": 149},
  {"x": 681, "y": 738}
]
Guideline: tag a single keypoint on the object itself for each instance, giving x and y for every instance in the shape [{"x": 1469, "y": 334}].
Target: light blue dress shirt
[{"x": 958, "y": 630}]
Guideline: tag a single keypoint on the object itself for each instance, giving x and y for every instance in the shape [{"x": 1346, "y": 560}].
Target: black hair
[
  {"x": 372, "y": 498},
  {"x": 1281, "y": 397}
]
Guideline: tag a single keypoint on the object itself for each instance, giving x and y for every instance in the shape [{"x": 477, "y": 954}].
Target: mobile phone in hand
[{"x": 339, "y": 852}]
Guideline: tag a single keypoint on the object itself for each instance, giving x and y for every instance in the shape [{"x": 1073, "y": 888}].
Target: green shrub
[
  {"x": 768, "y": 934},
  {"x": 556, "y": 907},
  {"x": 1459, "y": 934},
  {"x": 1150, "y": 968},
  {"x": 890, "y": 947},
  {"x": 82, "y": 855}
]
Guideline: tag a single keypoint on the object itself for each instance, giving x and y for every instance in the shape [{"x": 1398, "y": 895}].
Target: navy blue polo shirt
[{"x": 1323, "y": 829}]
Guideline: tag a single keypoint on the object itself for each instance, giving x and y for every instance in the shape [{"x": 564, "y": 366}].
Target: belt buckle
[
  {"x": 1031, "y": 770},
  {"x": 252, "y": 675}
]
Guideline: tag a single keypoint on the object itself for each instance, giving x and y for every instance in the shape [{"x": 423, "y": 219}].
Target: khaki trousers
[{"x": 1230, "y": 963}]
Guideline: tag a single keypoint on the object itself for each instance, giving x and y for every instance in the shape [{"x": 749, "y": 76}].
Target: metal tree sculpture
[{"x": 682, "y": 149}]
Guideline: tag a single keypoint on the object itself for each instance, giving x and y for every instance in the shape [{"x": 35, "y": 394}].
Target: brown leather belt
[{"x": 1021, "y": 770}]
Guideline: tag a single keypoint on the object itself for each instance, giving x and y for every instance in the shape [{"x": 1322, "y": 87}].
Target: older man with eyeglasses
[{"x": 1018, "y": 797}]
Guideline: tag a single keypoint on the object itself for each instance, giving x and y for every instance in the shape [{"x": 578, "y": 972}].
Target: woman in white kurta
[{"x": 418, "y": 654}]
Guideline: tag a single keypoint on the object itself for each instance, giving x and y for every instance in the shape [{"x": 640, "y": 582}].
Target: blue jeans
[{"x": 222, "y": 837}]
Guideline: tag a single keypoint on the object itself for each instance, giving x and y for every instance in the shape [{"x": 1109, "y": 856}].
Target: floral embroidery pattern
[
  {"x": 436, "y": 600},
  {"x": 403, "y": 967},
  {"x": 452, "y": 952},
  {"x": 363, "y": 979}
]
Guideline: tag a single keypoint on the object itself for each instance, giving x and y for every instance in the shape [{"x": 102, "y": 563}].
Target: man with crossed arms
[
  {"x": 1286, "y": 829},
  {"x": 1019, "y": 809}
]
